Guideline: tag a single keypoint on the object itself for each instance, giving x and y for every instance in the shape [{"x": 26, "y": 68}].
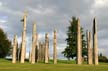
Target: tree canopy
[{"x": 5, "y": 44}]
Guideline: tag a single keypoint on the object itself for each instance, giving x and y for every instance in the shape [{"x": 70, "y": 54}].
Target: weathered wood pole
[
  {"x": 55, "y": 48},
  {"x": 33, "y": 43},
  {"x": 19, "y": 51},
  {"x": 43, "y": 51},
  {"x": 89, "y": 48},
  {"x": 14, "y": 49},
  {"x": 30, "y": 56},
  {"x": 36, "y": 48},
  {"x": 40, "y": 51},
  {"x": 95, "y": 43},
  {"x": 46, "y": 48},
  {"x": 23, "y": 51},
  {"x": 48, "y": 51},
  {"x": 79, "y": 44}
]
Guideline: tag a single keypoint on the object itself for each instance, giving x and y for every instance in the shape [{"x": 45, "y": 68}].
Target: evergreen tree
[
  {"x": 102, "y": 58},
  {"x": 70, "y": 50},
  {"x": 5, "y": 44}
]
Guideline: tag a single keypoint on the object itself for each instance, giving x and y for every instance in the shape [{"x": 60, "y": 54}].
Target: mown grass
[{"x": 63, "y": 65}]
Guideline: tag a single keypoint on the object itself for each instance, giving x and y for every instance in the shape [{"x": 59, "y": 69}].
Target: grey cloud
[{"x": 58, "y": 16}]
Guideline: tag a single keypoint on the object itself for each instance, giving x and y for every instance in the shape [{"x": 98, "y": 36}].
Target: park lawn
[{"x": 62, "y": 65}]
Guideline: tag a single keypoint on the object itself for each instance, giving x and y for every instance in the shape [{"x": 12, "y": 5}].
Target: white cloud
[
  {"x": 100, "y": 3},
  {"x": 97, "y": 6},
  {"x": 2, "y": 21},
  {"x": 1, "y": 4},
  {"x": 41, "y": 10},
  {"x": 41, "y": 36}
]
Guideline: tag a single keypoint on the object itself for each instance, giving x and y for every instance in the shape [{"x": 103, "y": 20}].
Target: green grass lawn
[{"x": 62, "y": 65}]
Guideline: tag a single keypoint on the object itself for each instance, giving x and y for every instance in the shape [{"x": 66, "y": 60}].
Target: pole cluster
[
  {"x": 92, "y": 57},
  {"x": 40, "y": 50}
]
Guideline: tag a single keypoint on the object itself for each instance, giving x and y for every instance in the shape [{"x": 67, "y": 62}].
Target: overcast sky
[{"x": 51, "y": 14}]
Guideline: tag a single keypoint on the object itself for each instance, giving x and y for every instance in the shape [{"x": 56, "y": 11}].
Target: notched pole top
[{"x": 25, "y": 13}]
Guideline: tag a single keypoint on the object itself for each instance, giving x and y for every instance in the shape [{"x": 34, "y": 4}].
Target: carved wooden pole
[
  {"x": 19, "y": 52},
  {"x": 39, "y": 52},
  {"x": 79, "y": 44},
  {"x": 33, "y": 43},
  {"x": 43, "y": 51},
  {"x": 36, "y": 48},
  {"x": 95, "y": 43},
  {"x": 23, "y": 51},
  {"x": 14, "y": 49},
  {"x": 55, "y": 48},
  {"x": 89, "y": 48},
  {"x": 46, "y": 48},
  {"x": 30, "y": 55},
  {"x": 48, "y": 51}
]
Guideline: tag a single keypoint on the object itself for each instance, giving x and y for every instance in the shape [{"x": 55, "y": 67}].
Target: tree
[
  {"x": 5, "y": 44},
  {"x": 102, "y": 58},
  {"x": 70, "y": 50}
]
